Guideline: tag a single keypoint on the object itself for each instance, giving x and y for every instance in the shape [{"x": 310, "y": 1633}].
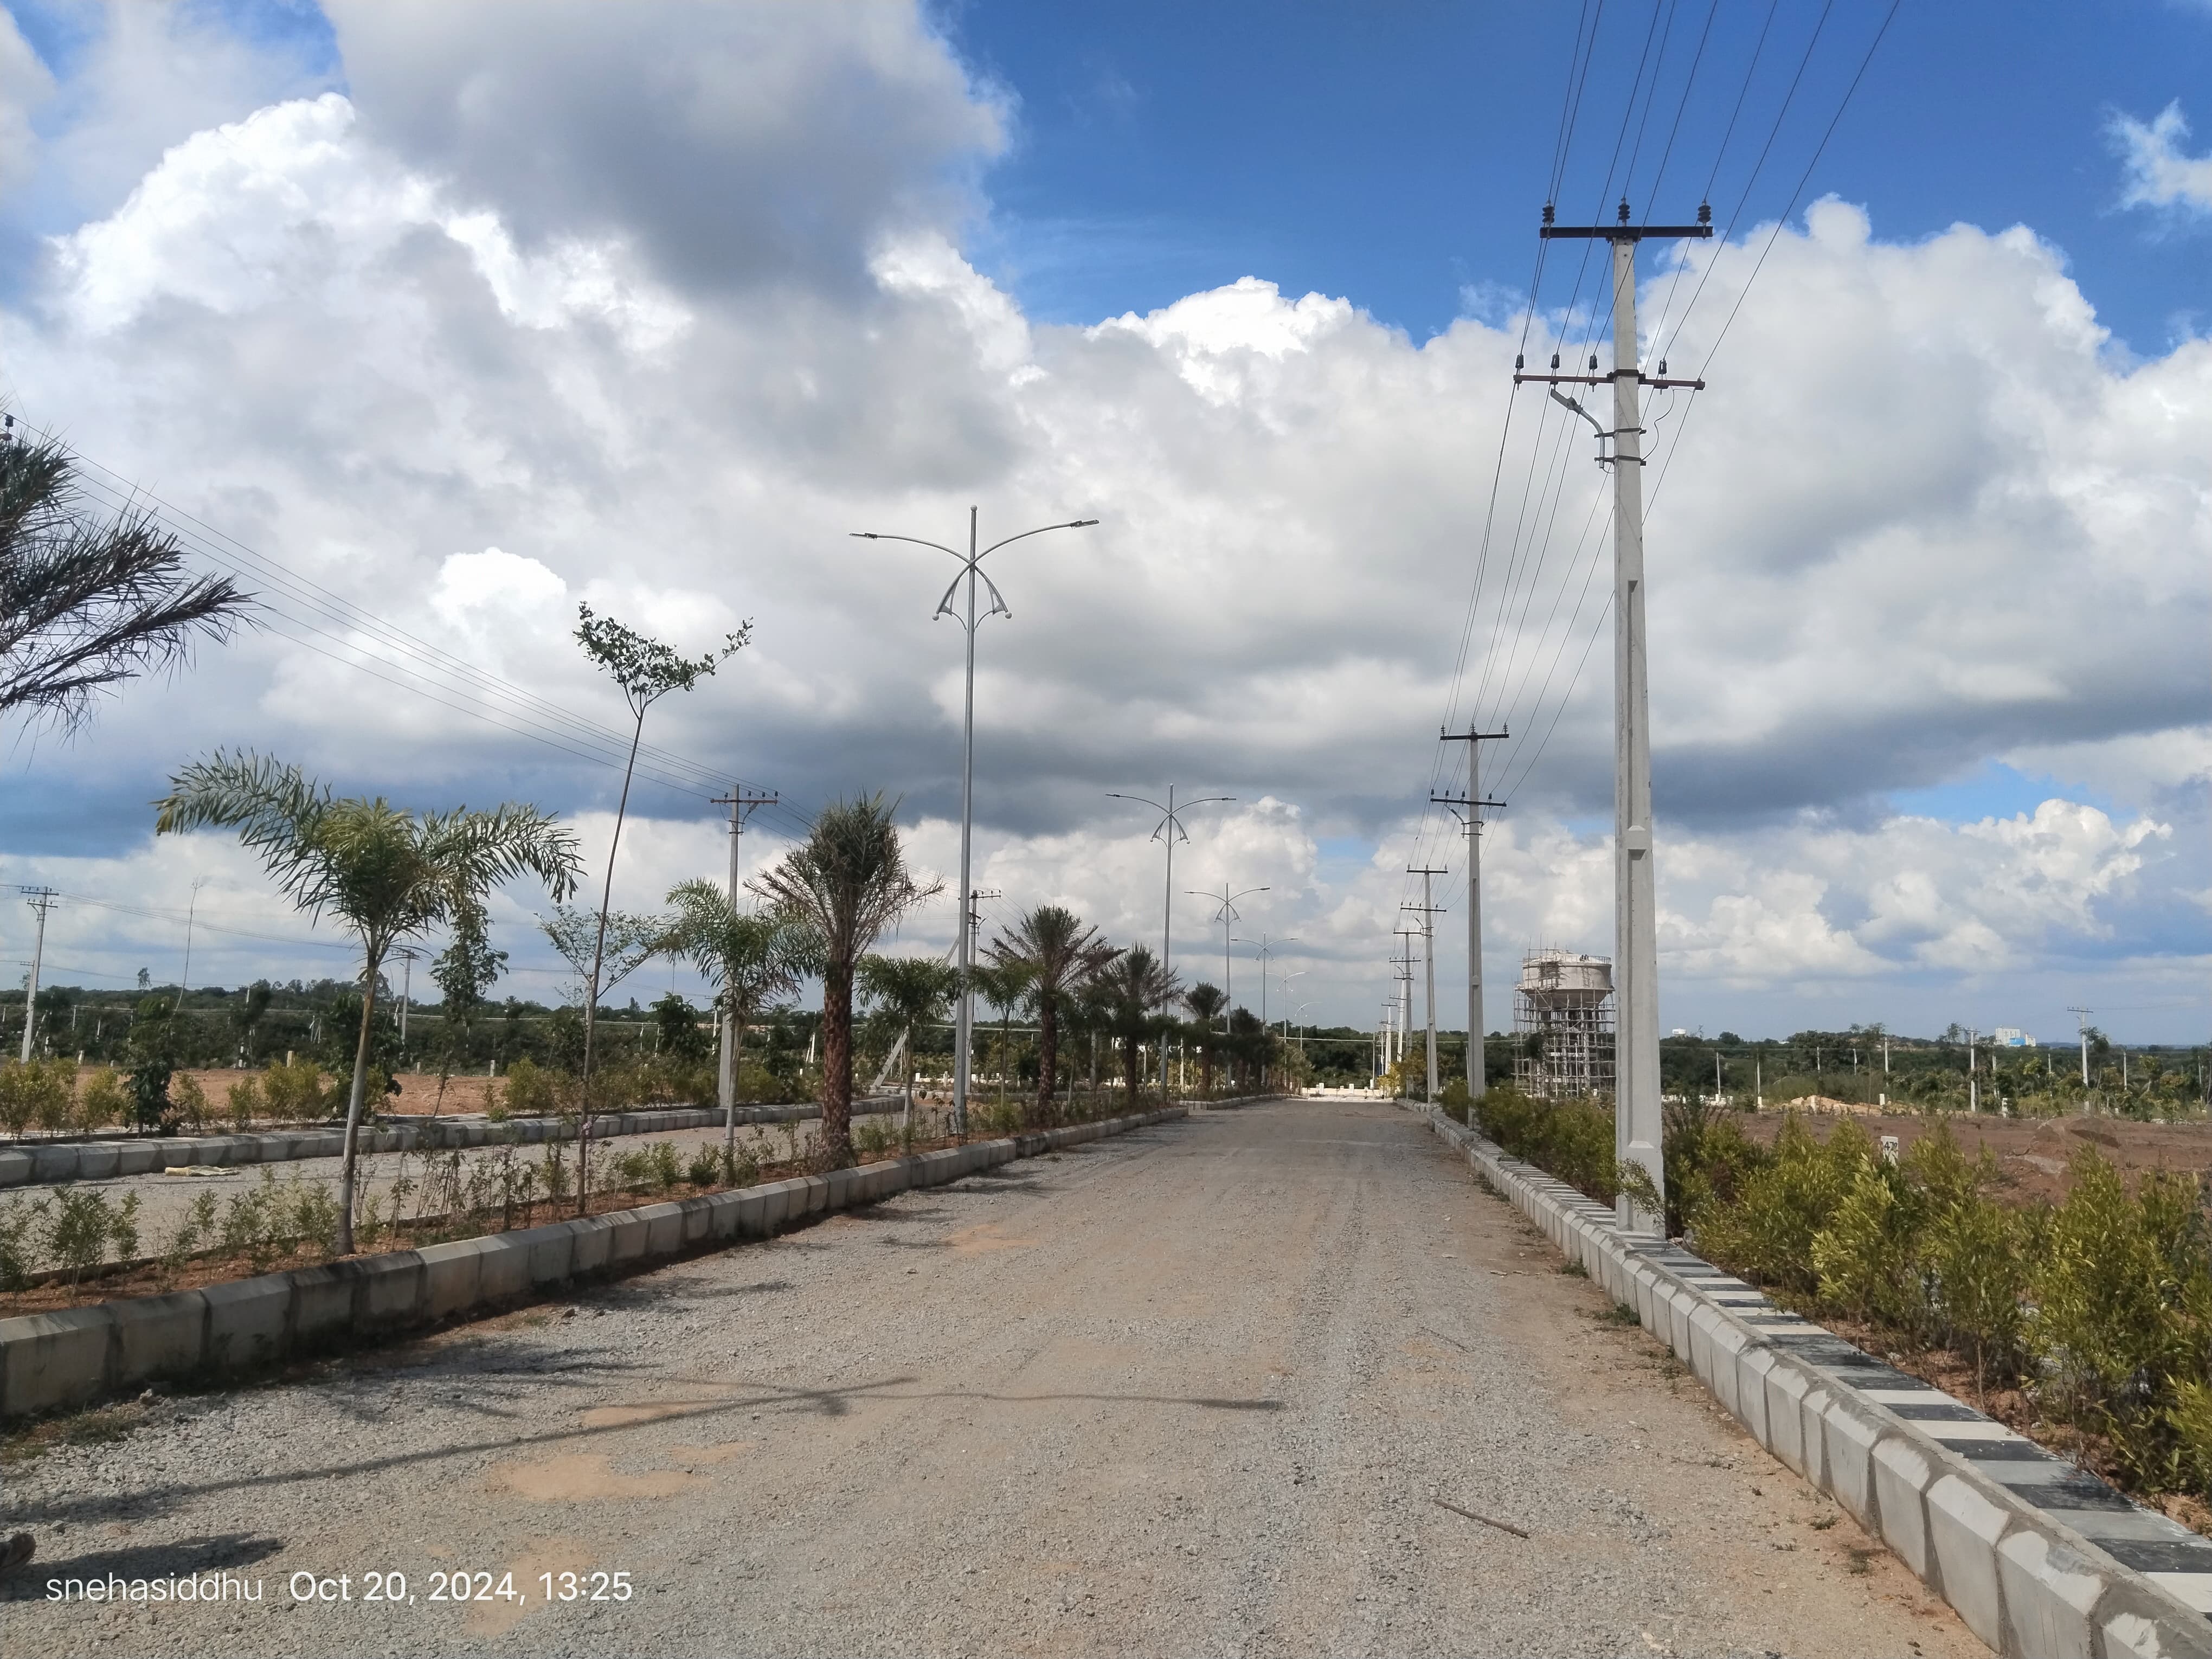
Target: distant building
[
  {"x": 1563, "y": 1026},
  {"x": 2011, "y": 1036}
]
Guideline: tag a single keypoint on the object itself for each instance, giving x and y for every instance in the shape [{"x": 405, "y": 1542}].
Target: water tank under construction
[{"x": 1563, "y": 1025}]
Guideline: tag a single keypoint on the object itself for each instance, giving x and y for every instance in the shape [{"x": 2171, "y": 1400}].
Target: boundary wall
[
  {"x": 51, "y": 1361},
  {"x": 2040, "y": 1558}
]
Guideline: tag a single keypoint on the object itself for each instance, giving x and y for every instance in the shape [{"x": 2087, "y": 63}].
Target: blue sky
[{"x": 1394, "y": 153}]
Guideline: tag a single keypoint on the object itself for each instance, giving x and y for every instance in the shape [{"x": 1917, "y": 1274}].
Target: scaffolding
[{"x": 1563, "y": 1026}]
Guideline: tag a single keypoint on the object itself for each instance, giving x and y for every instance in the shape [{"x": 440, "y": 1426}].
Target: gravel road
[{"x": 1193, "y": 1390}]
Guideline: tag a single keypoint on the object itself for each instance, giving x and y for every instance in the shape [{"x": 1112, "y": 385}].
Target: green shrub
[
  {"x": 1767, "y": 1231},
  {"x": 17, "y": 1102},
  {"x": 79, "y": 1227},
  {"x": 190, "y": 1100},
  {"x": 1866, "y": 1259},
  {"x": 101, "y": 1102},
  {"x": 244, "y": 1099},
  {"x": 36, "y": 1091},
  {"x": 17, "y": 1216},
  {"x": 1573, "y": 1140},
  {"x": 873, "y": 1136},
  {"x": 665, "y": 1169},
  {"x": 706, "y": 1167},
  {"x": 293, "y": 1091},
  {"x": 529, "y": 1091}
]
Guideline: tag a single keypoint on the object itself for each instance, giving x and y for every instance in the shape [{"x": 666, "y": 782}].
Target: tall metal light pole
[
  {"x": 1169, "y": 827},
  {"x": 1226, "y": 914},
  {"x": 969, "y": 575},
  {"x": 1637, "y": 1118}
]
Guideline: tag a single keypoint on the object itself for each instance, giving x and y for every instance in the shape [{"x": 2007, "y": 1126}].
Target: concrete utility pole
[
  {"x": 1405, "y": 971},
  {"x": 1169, "y": 827},
  {"x": 41, "y": 900},
  {"x": 1973, "y": 1083},
  {"x": 726, "y": 1060},
  {"x": 2084, "y": 1014},
  {"x": 1429, "y": 910},
  {"x": 1637, "y": 1119},
  {"x": 407, "y": 955},
  {"x": 964, "y": 1027},
  {"x": 1468, "y": 810}
]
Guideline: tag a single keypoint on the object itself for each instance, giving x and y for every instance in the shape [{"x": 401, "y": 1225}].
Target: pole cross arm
[
  {"x": 1625, "y": 233},
  {"x": 1604, "y": 380},
  {"x": 1444, "y": 735}
]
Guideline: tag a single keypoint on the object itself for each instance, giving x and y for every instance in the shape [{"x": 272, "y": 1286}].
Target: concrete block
[
  {"x": 663, "y": 1229},
  {"x": 97, "y": 1160},
  {"x": 817, "y": 1193},
  {"x": 272, "y": 1149},
  {"x": 594, "y": 1246},
  {"x": 698, "y": 1219},
  {"x": 552, "y": 1253},
  {"x": 158, "y": 1336},
  {"x": 1703, "y": 1320},
  {"x": 52, "y": 1359},
  {"x": 503, "y": 1266},
  {"x": 15, "y": 1169},
  {"x": 1902, "y": 1474},
  {"x": 1786, "y": 1386},
  {"x": 722, "y": 1216},
  {"x": 1813, "y": 1418},
  {"x": 1849, "y": 1435},
  {"x": 1679, "y": 1304},
  {"x": 388, "y": 1289},
  {"x": 1754, "y": 1362},
  {"x": 452, "y": 1276},
  {"x": 2139, "y": 1619},
  {"x": 2050, "y": 1594},
  {"x": 1964, "y": 1527},
  {"x": 844, "y": 1185},
  {"x": 143, "y": 1157},
  {"x": 629, "y": 1233},
  {"x": 247, "y": 1321},
  {"x": 750, "y": 1214},
  {"x": 322, "y": 1305}
]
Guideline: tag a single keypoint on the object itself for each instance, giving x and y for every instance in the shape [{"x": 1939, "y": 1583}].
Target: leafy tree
[
  {"x": 1003, "y": 986},
  {"x": 904, "y": 993},
  {"x": 86, "y": 603},
  {"x": 845, "y": 885},
  {"x": 752, "y": 961},
  {"x": 677, "y": 1023},
  {"x": 467, "y": 968},
  {"x": 1057, "y": 955},
  {"x": 615, "y": 945},
  {"x": 1136, "y": 985},
  {"x": 251, "y": 1008},
  {"x": 1205, "y": 1003},
  {"x": 645, "y": 671},
  {"x": 387, "y": 875}
]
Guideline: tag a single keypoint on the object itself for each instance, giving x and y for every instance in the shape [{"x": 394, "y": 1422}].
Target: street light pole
[
  {"x": 1170, "y": 826},
  {"x": 1225, "y": 915},
  {"x": 963, "y": 1030}
]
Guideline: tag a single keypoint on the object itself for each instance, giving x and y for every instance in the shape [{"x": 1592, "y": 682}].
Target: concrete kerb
[
  {"x": 2022, "y": 1579},
  {"x": 74, "y": 1357}
]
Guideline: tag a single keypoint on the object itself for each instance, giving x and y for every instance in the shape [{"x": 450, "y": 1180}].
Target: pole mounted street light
[
  {"x": 969, "y": 575},
  {"x": 1267, "y": 961},
  {"x": 1226, "y": 914},
  {"x": 1169, "y": 827}
]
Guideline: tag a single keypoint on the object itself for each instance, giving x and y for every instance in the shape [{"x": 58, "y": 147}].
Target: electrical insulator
[
  {"x": 1547, "y": 213},
  {"x": 1518, "y": 364},
  {"x": 1663, "y": 369},
  {"x": 1705, "y": 213},
  {"x": 1555, "y": 362},
  {"x": 1624, "y": 209},
  {"x": 1593, "y": 362}
]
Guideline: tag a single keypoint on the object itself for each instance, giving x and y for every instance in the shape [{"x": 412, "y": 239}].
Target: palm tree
[
  {"x": 1137, "y": 986},
  {"x": 86, "y": 604},
  {"x": 1204, "y": 1003},
  {"x": 1004, "y": 986},
  {"x": 844, "y": 886},
  {"x": 751, "y": 961},
  {"x": 905, "y": 993},
  {"x": 387, "y": 875},
  {"x": 1058, "y": 955}
]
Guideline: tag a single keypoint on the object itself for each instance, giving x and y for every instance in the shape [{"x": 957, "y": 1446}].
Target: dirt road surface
[{"x": 1195, "y": 1390}]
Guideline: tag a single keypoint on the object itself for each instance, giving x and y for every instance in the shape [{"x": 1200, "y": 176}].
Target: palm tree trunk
[
  {"x": 836, "y": 1150},
  {"x": 1047, "y": 1056},
  {"x": 730, "y": 1118},
  {"x": 1129, "y": 1068},
  {"x": 353, "y": 1109}
]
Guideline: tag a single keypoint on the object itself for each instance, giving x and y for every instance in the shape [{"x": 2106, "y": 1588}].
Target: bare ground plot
[
  {"x": 2032, "y": 1153},
  {"x": 1196, "y": 1390}
]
